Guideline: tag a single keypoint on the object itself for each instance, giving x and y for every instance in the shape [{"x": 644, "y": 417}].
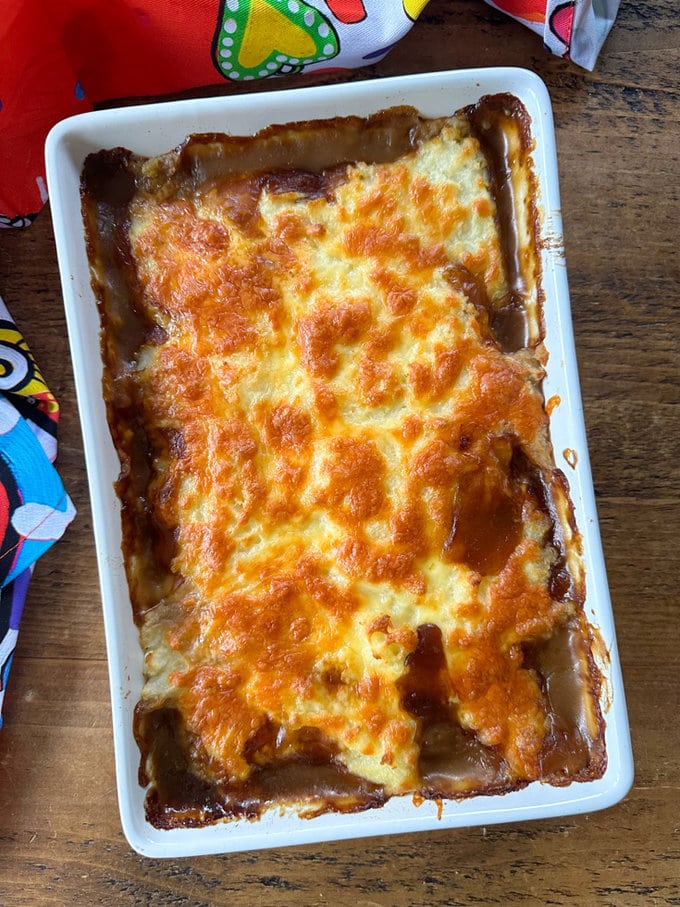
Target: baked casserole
[{"x": 352, "y": 560}]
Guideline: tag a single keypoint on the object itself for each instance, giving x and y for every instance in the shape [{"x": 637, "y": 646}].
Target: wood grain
[{"x": 617, "y": 133}]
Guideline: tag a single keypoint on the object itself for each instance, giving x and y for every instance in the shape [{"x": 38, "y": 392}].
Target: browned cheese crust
[{"x": 352, "y": 561}]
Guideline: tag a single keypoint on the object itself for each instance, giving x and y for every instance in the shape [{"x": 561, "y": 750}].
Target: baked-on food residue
[{"x": 351, "y": 558}]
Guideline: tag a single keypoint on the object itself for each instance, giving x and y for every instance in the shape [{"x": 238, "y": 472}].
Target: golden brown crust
[{"x": 348, "y": 548}]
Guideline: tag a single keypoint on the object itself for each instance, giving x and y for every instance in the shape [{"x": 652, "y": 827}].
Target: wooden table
[{"x": 618, "y": 137}]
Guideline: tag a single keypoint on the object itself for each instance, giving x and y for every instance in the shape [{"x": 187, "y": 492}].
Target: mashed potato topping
[{"x": 351, "y": 557}]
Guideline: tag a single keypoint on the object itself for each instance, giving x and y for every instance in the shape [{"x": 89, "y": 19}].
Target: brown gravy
[{"x": 311, "y": 159}]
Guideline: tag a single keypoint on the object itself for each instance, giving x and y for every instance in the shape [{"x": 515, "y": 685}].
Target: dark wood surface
[{"x": 618, "y": 136}]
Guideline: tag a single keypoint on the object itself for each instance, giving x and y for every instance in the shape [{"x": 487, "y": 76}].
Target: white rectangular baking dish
[{"x": 153, "y": 129}]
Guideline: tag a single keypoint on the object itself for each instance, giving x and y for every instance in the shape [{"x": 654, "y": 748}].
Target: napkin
[
  {"x": 575, "y": 30},
  {"x": 70, "y": 55},
  {"x": 34, "y": 507}
]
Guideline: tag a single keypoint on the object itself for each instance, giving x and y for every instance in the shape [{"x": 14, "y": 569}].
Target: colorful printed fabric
[
  {"x": 34, "y": 507},
  {"x": 575, "y": 29},
  {"x": 68, "y": 55}
]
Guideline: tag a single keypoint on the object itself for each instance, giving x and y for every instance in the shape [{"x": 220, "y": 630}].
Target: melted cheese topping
[{"x": 334, "y": 438}]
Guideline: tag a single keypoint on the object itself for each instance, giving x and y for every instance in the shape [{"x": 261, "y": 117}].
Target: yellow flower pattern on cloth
[{"x": 259, "y": 38}]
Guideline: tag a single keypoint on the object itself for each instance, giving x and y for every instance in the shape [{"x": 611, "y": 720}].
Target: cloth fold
[
  {"x": 68, "y": 56},
  {"x": 575, "y": 29},
  {"x": 34, "y": 506}
]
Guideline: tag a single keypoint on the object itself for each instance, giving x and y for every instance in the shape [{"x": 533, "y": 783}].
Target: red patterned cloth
[{"x": 61, "y": 58}]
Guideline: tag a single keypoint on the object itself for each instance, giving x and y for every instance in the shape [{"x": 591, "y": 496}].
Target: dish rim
[{"x": 158, "y": 127}]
